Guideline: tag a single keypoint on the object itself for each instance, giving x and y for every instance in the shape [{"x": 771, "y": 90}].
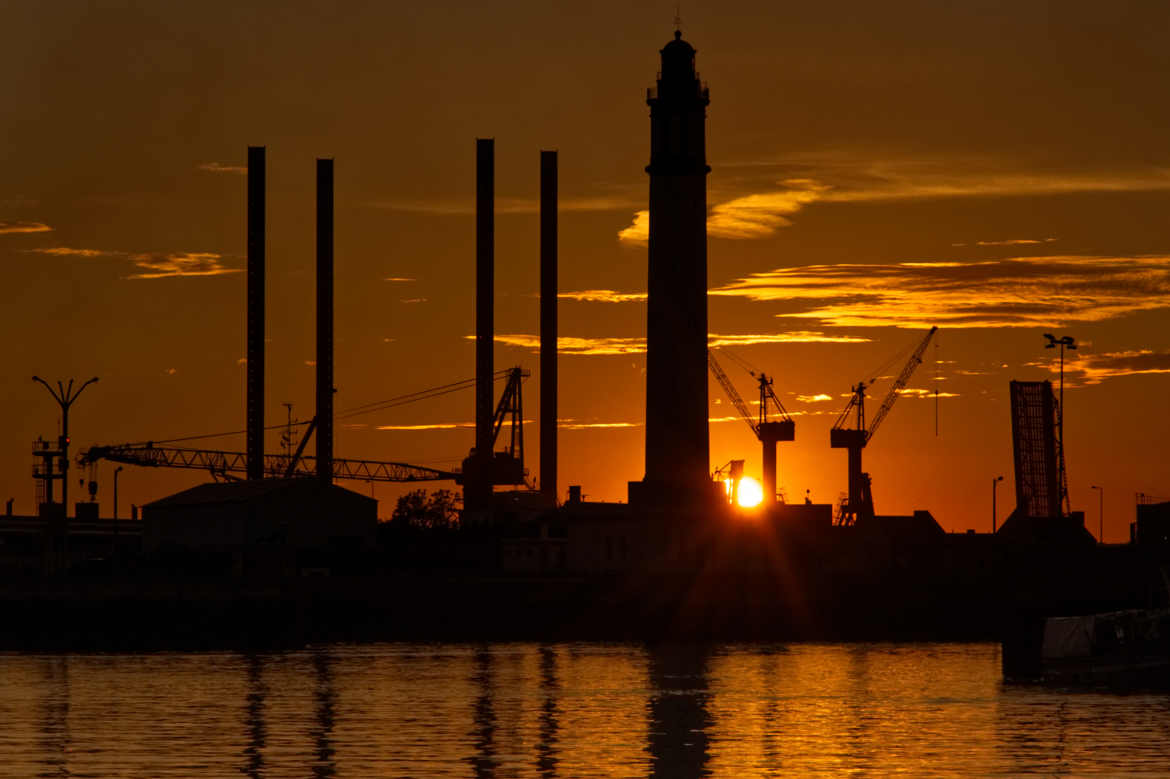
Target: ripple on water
[{"x": 564, "y": 710}]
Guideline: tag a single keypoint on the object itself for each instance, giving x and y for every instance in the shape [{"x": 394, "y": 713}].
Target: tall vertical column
[
  {"x": 254, "y": 447},
  {"x": 677, "y": 459},
  {"x": 484, "y": 299},
  {"x": 325, "y": 320},
  {"x": 548, "y": 324}
]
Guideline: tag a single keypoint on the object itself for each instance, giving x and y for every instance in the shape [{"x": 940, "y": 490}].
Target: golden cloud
[
  {"x": 603, "y": 296},
  {"x": 219, "y": 167},
  {"x": 161, "y": 266},
  {"x": 435, "y": 426},
  {"x": 851, "y": 178},
  {"x": 857, "y": 176},
  {"x": 919, "y": 392},
  {"x": 755, "y": 215},
  {"x": 570, "y": 424},
  {"x": 65, "y": 251},
  {"x": 506, "y": 205},
  {"x": 790, "y": 337},
  {"x": 818, "y": 398},
  {"x": 614, "y": 345},
  {"x": 1089, "y": 368},
  {"x": 16, "y": 227},
  {"x": 1015, "y": 292},
  {"x": 638, "y": 233},
  {"x": 1014, "y": 242}
]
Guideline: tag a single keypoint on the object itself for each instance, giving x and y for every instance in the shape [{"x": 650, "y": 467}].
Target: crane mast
[
  {"x": 769, "y": 432},
  {"x": 851, "y": 433}
]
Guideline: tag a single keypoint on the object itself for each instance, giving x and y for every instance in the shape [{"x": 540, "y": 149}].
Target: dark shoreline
[{"x": 145, "y": 613}]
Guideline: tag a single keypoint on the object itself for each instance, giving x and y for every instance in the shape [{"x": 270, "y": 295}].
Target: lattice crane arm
[
  {"x": 732, "y": 394},
  {"x": 275, "y": 466},
  {"x": 900, "y": 384}
]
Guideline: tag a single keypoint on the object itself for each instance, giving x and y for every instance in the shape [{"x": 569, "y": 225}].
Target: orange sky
[{"x": 999, "y": 169}]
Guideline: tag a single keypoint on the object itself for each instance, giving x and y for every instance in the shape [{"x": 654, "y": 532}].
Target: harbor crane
[
  {"x": 850, "y": 432},
  {"x": 767, "y": 431},
  {"x": 507, "y": 466}
]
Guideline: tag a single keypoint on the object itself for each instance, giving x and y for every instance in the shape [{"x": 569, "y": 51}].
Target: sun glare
[{"x": 751, "y": 494}]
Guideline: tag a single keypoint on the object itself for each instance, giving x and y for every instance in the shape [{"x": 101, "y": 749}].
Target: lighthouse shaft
[{"x": 677, "y": 458}]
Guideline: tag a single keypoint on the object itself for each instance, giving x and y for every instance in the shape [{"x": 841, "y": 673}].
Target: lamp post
[
  {"x": 116, "y": 472},
  {"x": 1100, "y": 513},
  {"x": 65, "y": 396},
  {"x": 1062, "y": 342},
  {"x": 994, "y": 484}
]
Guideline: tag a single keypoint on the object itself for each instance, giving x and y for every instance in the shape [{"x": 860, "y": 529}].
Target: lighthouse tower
[{"x": 677, "y": 458}]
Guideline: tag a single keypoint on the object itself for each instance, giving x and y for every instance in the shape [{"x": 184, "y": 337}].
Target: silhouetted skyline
[{"x": 999, "y": 172}]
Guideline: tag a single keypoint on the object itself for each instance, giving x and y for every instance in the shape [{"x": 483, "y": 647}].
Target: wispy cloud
[
  {"x": 152, "y": 265},
  {"x": 790, "y": 337},
  {"x": 767, "y": 192},
  {"x": 1089, "y": 368},
  {"x": 755, "y": 215},
  {"x": 219, "y": 167},
  {"x": 919, "y": 392},
  {"x": 572, "y": 345},
  {"x": 163, "y": 266},
  {"x": 572, "y": 424},
  {"x": 16, "y": 227},
  {"x": 603, "y": 296},
  {"x": 66, "y": 251},
  {"x": 614, "y": 345},
  {"x": 433, "y": 426},
  {"x": 506, "y": 205},
  {"x": 854, "y": 176},
  {"x": 1011, "y": 242},
  {"x": 638, "y": 233},
  {"x": 761, "y": 214},
  {"x": 818, "y": 398},
  {"x": 398, "y": 279},
  {"x": 1016, "y": 292},
  {"x": 410, "y": 301}
]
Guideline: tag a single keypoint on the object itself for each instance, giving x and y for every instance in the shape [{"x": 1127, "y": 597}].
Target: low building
[{"x": 266, "y": 527}]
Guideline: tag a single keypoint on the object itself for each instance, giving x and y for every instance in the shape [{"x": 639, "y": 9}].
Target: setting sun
[{"x": 751, "y": 494}]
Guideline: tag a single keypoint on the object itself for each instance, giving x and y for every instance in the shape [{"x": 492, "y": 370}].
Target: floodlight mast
[
  {"x": 1065, "y": 341},
  {"x": 65, "y": 396}
]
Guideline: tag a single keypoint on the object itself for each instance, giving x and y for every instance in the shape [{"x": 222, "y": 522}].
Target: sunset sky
[{"x": 998, "y": 169}]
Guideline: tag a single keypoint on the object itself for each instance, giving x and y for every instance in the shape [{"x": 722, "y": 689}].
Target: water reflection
[
  {"x": 770, "y": 742},
  {"x": 483, "y": 762},
  {"x": 325, "y": 704},
  {"x": 539, "y": 711},
  {"x": 254, "y": 719},
  {"x": 859, "y": 727},
  {"x": 679, "y": 719},
  {"x": 546, "y": 747},
  {"x": 54, "y": 731}
]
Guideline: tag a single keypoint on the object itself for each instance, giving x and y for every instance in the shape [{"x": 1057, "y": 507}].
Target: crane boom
[
  {"x": 732, "y": 394},
  {"x": 275, "y": 466},
  {"x": 850, "y": 432},
  {"x": 900, "y": 383}
]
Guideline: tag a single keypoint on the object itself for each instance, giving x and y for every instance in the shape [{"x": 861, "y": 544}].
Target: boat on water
[{"x": 1129, "y": 648}]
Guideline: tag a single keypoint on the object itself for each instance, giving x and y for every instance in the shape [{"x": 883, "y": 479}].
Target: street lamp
[
  {"x": 1100, "y": 513},
  {"x": 994, "y": 484},
  {"x": 116, "y": 472},
  {"x": 64, "y": 395}
]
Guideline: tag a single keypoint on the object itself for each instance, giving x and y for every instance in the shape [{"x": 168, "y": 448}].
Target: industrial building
[{"x": 278, "y": 527}]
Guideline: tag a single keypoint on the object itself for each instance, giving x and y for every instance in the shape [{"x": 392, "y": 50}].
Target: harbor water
[{"x": 565, "y": 710}]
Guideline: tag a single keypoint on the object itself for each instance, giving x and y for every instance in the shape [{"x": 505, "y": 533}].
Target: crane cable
[{"x": 367, "y": 408}]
